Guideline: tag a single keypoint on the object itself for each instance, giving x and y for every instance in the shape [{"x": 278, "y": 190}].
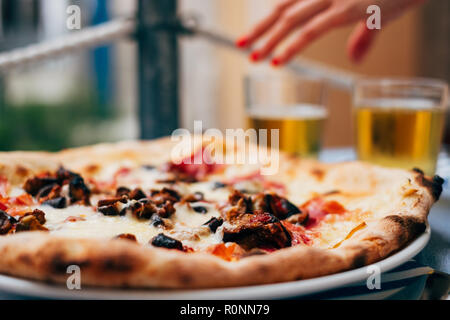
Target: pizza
[{"x": 130, "y": 215}]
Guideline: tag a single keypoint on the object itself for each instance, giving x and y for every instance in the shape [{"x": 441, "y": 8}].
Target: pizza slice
[{"x": 129, "y": 215}]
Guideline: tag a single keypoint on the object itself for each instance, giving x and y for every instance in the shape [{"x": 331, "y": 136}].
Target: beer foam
[
  {"x": 411, "y": 104},
  {"x": 295, "y": 111}
]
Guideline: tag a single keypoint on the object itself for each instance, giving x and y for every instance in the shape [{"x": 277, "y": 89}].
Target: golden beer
[
  {"x": 402, "y": 133},
  {"x": 300, "y": 126}
]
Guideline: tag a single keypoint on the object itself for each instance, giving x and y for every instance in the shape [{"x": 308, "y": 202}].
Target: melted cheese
[
  {"x": 207, "y": 188},
  {"x": 92, "y": 224},
  {"x": 187, "y": 225}
]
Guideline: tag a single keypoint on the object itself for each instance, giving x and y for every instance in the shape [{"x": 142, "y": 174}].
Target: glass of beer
[
  {"x": 292, "y": 104},
  {"x": 399, "y": 122}
]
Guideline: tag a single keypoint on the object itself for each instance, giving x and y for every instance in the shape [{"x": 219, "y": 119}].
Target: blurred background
[{"x": 91, "y": 96}]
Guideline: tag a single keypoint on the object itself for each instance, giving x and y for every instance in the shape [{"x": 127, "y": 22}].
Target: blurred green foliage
[{"x": 36, "y": 126}]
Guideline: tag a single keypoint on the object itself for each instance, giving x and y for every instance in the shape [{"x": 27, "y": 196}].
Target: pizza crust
[{"x": 121, "y": 263}]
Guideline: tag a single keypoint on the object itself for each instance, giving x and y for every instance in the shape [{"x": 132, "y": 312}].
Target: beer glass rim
[
  {"x": 264, "y": 76},
  {"x": 439, "y": 88},
  {"x": 388, "y": 81}
]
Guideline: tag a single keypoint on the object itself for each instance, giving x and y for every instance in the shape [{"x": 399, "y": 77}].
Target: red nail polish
[
  {"x": 241, "y": 42},
  {"x": 276, "y": 62},
  {"x": 254, "y": 56}
]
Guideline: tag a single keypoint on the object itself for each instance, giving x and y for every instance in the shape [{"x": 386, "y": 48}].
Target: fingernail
[
  {"x": 276, "y": 62},
  {"x": 254, "y": 56},
  {"x": 241, "y": 42}
]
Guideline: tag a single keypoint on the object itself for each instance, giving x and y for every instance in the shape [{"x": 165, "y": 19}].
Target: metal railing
[{"x": 155, "y": 29}]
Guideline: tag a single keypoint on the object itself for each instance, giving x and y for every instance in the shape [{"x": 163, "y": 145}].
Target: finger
[
  {"x": 311, "y": 31},
  {"x": 360, "y": 41},
  {"x": 293, "y": 18},
  {"x": 264, "y": 24}
]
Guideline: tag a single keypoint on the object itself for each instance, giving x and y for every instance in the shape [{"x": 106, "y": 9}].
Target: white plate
[{"x": 29, "y": 288}]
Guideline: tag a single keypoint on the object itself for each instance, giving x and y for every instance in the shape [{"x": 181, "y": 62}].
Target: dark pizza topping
[
  {"x": 236, "y": 196},
  {"x": 213, "y": 223},
  {"x": 252, "y": 222},
  {"x": 164, "y": 241},
  {"x": 32, "y": 221},
  {"x": 200, "y": 209},
  {"x": 38, "y": 214},
  {"x": 33, "y": 185},
  {"x": 238, "y": 204},
  {"x": 142, "y": 207},
  {"x": 165, "y": 194},
  {"x": 279, "y": 207},
  {"x": 78, "y": 191},
  {"x": 110, "y": 201},
  {"x": 143, "y": 210},
  {"x": 48, "y": 192},
  {"x": 28, "y": 222},
  {"x": 111, "y": 209},
  {"x": 257, "y": 230},
  {"x": 218, "y": 185},
  {"x": 299, "y": 218},
  {"x": 57, "y": 203},
  {"x": 137, "y": 194},
  {"x": 165, "y": 210},
  {"x": 6, "y": 222},
  {"x": 126, "y": 236},
  {"x": 122, "y": 191},
  {"x": 113, "y": 206},
  {"x": 194, "y": 197},
  {"x": 64, "y": 176},
  {"x": 157, "y": 221},
  {"x": 146, "y": 209},
  {"x": 138, "y": 210},
  {"x": 48, "y": 186},
  {"x": 274, "y": 204}
]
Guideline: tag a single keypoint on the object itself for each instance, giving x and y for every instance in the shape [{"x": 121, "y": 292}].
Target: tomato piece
[
  {"x": 122, "y": 172},
  {"x": 254, "y": 176},
  {"x": 22, "y": 200},
  {"x": 275, "y": 186},
  {"x": 333, "y": 207},
  {"x": 14, "y": 211},
  {"x": 44, "y": 174},
  {"x": 74, "y": 219},
  {"x": 101, "y": 186},
  {"x": 261, "y": 217},
  {"x": 19, "y": 201},
  {"x": 278, "y": 187},
  {"x": 188, "y": 249},
  {"x": 3, "y": 206},
  {"x": 228, "y": 252},
  {"x": 297, "y": 233},
  {"x": 318, "y": 209},
  {"x": 196, "y": 166}
]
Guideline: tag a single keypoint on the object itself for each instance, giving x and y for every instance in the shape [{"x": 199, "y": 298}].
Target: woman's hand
[{"x": 315, "y": 17}]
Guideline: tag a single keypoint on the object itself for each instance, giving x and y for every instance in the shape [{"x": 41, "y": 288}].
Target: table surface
[{"x": 437, "y": 253}]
